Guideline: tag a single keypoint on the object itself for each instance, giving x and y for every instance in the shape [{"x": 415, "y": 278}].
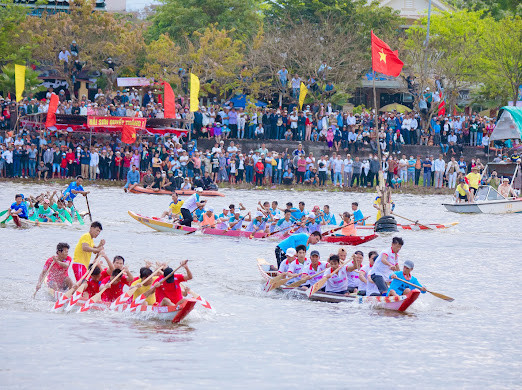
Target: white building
[
  {"x": 116, "y": 5},
  {"x": 413, "y": 10}
]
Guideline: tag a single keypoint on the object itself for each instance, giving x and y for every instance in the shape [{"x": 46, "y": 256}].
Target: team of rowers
[
  {"x": 49, "y": 207},
  {"x": 162, "y": 290},
  {"x": 381, "y": 275},
  {"x": 268, "y": 218}
]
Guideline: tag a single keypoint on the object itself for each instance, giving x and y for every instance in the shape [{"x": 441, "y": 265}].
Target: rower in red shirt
[
  {"x": 117, "y": 264},
  {"x": 57, "y": 278},
  {"x": 93, "y": 283},
  {"x": 116, "y": 287},
  {"x": 168, "y": 291}
]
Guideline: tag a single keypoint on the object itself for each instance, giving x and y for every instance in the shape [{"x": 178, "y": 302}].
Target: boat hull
[
  {"x": 349, "y": 240},
  {"x": 398, "y": 303},
  {"x": 142, "y": 190},
  {"x": 490, "y": 207}
]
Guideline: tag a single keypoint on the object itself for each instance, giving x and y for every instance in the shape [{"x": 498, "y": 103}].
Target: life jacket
[{"x": 209, "y": 221}]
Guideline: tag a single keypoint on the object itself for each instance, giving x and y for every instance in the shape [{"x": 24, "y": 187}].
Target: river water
[{"x": 255, "y": 340}]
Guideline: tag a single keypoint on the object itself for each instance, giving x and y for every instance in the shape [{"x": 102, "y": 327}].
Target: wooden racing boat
[
  {"x": 173, "y": 314},
  {"x": 413, "y": 226},
  {"x": 399, "y": 303},
  {"x": 349, "y": 240},
  {"x": 142, "y": 190}
]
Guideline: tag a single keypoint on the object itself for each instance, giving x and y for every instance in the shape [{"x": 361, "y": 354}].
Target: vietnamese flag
[
  {"x": 170, "y": 101},
  {"x": 128, "y": 134},
  {"x": 384, "y": 59},
  {"x": 51, "y": 112},
  {"x": 442, "y": 106}
]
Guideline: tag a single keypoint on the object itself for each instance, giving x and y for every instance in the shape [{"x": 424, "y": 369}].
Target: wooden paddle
[
  {"x": 123, "y": 298},
  {"x": 438, "y": 295},
  {"x": 327, "y": 233},
  {"x": 319, "y": 285},
  {"x": 45, "y": 276},
  {"x": 88, "y": 207},
  {"x": 279, "y": 231},
  {"x": 275, "y": 279},
  {"x": 304, "y": 280},
  {"x": 234, "y": 224},
  {"x": 194, "y": 231},
  {"x": 415, "y": 222},
  {"x": 255, "y": 231},
  {"x": 281, "y": 282},
  {"x": 96, "y": 298},
  {"x": 64, "y": 298}
]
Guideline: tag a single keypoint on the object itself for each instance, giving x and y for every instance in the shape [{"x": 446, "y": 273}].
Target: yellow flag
[
  {"x": 302, "y": 94},
  {"x": 194, "y": 92},
  {"x": 19, "y": 81}
]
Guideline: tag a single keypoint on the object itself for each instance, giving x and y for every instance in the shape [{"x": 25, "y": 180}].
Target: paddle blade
[
  {"x": 74, "y": 300},
  {"x": 442, "y": 296},
  {"x": 122, "y": 299},
  {"x": 298, "y": 283},
  {"x": 317, "y": 286},
  {"x": 60, "y": 302},
  {"x": 87, "y": 305}
]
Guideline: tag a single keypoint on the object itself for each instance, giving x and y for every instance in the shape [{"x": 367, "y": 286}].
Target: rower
[
  {"x": 224, "y": 218},
  {"x": 462, "y": 192},
  {"x": 174, "y": 207},
  {"x": 74, "y": 188},
  {"x": 351, "y": 268},
  {"x": 58, "y": 265},
  {"x": 349, "y": 227},
  {"x": 44, "y": 213},
  {"x": 258, "y": 224},
  {"x": 115, "y": 288},
  {"x": 291, "y": 254},
  {"x": 366, "y": 286},
  {"x": 357, "y": 214},
  {"x": 336, "y": 283},
  {"x": 312, "y": 267},
  {"x": 313, "y": 223},
  {"x": 285, "y": 223},
  {"x": 84, "y": 248},
  {"x": 190, "y": 205},
  {"x": 93, "y": 283},
  {"x": 118, "y": 263},
  {"x": 168, "y": 291},
  {"x": 19, "y": 208},
  {"x": 293, "y": 241},
  {"x": 328, "y": 218},
  {"x": 296, "y": 267},
  {"x": 236, "y": 220},
  {"x": 385, "y": 264},
  {"x": 208, "y": 219},
  {"x": 145, "y": 272},
  {"x": 398, "y": 287}
]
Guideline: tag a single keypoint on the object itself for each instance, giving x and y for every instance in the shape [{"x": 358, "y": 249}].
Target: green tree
[
  {"x": 498, "y": 9},
  {"x": 163, "y": 60},
  {"x": 7, "y": 80},
  {"x": 182, "y": 18},
  {"x": 11, "y": 19}
]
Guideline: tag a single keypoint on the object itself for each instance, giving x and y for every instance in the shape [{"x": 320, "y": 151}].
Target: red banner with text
[{"x": 116, "y": 121}]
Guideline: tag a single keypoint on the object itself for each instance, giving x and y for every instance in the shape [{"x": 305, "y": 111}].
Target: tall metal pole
[{"x": 376, "y": 124}]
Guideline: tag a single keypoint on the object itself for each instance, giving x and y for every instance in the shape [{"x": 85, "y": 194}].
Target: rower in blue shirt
[
  {"x": 398, "y": 287},
  {"x": 19, "y": 207},
  {"x": 327, "y": 217},
  {"x": 74, "y": 188},
  {"x": 357, "y": 214}
]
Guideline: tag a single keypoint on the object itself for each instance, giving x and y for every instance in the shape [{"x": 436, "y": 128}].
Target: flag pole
[{"x": 376, "y": 124}]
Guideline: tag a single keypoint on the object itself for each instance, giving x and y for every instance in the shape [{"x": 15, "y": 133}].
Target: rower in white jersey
[
  {"x": 223, "y": 218},
  {"x": 337, "y": 283},
  {"x": 296, "y": 267},
  {"x": 314, "y": 267},
  {"x": 366, "y": 285},
  {"x": 352, "y": 268},
  {"x": 385, "y": 264},
  {"x": 258, "y": 223},
  {"x": 291, "y": 254},
  {"x": 236, "y": 221}
]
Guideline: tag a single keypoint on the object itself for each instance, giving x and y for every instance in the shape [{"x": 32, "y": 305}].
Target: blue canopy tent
[{"x": 239, "y": 101}]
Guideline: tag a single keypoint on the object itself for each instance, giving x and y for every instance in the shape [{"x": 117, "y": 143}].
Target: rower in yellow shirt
[
  {"x": 174, "y": 207},
  {"x": 84, "y": 249},
  {"x": 145, "y": 272},
  {"x": 462, "y": 192},
  {"x": 473, "y": 180}
]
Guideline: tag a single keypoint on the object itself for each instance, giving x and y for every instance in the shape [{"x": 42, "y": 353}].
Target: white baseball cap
[
  {"x": 199, "y": 189},
  {"x": 291, "y": 252}
]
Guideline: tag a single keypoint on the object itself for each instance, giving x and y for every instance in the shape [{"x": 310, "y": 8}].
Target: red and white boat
[
  {"x": 398, "y": 303},
  {"x": 172, "y": 314},
  {"x": 142, "y": 190}
]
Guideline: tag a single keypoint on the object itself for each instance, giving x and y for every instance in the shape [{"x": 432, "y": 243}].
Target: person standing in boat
[
  {"x": 398, "y": 287},
  {"x": 84, "y": 249},
  {"x": 293, "y": 241},
  {"x": 385, "y": 264},
  {"x": 190, "y": 205},
  {"x": 473, "y": 181},
  {"x": 74, "y": 189},
  {"x": 357, "y": 214}
]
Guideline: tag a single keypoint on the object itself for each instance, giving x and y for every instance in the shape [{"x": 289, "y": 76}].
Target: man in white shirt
[
  {"x": 296, "y": 84},
  {"x": 93, "y": 165},
  {"x": 403, "y": 169},
  {"x": 439, "y": 166},
  {"x": 347, "y": 170},
  {"x": 338, "y": 164},
  {"x": 63, "y": 56},
  {"x": 451, "y": 173},
  {"x": 232, "y": 148}
]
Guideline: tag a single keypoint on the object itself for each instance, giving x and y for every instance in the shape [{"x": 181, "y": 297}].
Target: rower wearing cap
[
  {"x": 462, "y": 192},
  {"x": 505, "y": 189},
  {"x": 168, "y": 291},
  {"x": 258, "y": 223},
  {"x": 313, "y": 267},
  {"x": 174, "y": 207},
  {"x": 293, "y": 241},
  {"x": 398, "y": 287},
  {"x": 291, "y": 254},
  {"x": 44, "y": 212},
  {"x": 224, "y": 218},
  {"x": 296, "y": 267},
  {"x": 190, "y": 205},
  {"x": 236, "y": 220},
  {"x": 208, "y": 219}
]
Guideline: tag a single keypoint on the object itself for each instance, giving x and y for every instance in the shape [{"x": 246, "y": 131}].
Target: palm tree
[{"x": 7, "y": 80}]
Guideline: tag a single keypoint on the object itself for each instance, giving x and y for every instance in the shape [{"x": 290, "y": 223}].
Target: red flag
[
  {"x": 51, "y": 112},
  {"x": 442, "y": 106},
  {"x": 384, "y": 60},
  {"x": 128, "y": 134},
  {"x": 170, "y": 101}
]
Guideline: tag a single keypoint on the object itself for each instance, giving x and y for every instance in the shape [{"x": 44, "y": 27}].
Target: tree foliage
[
  {"x": 498, "y": 9},
  {"x": 181, "y": 19},
  {"x": 8, "y": 84},
  {"x": 11, "y": 19},
  {"x": 163, "y": 60}
]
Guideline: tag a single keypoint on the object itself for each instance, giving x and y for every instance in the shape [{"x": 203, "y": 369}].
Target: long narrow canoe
[
  {"x": 142, "y": 190},
  {"x": 400, "y": 303},
  {"x": 349, "y": 240},
  {"x": 173, "y": 314}
]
